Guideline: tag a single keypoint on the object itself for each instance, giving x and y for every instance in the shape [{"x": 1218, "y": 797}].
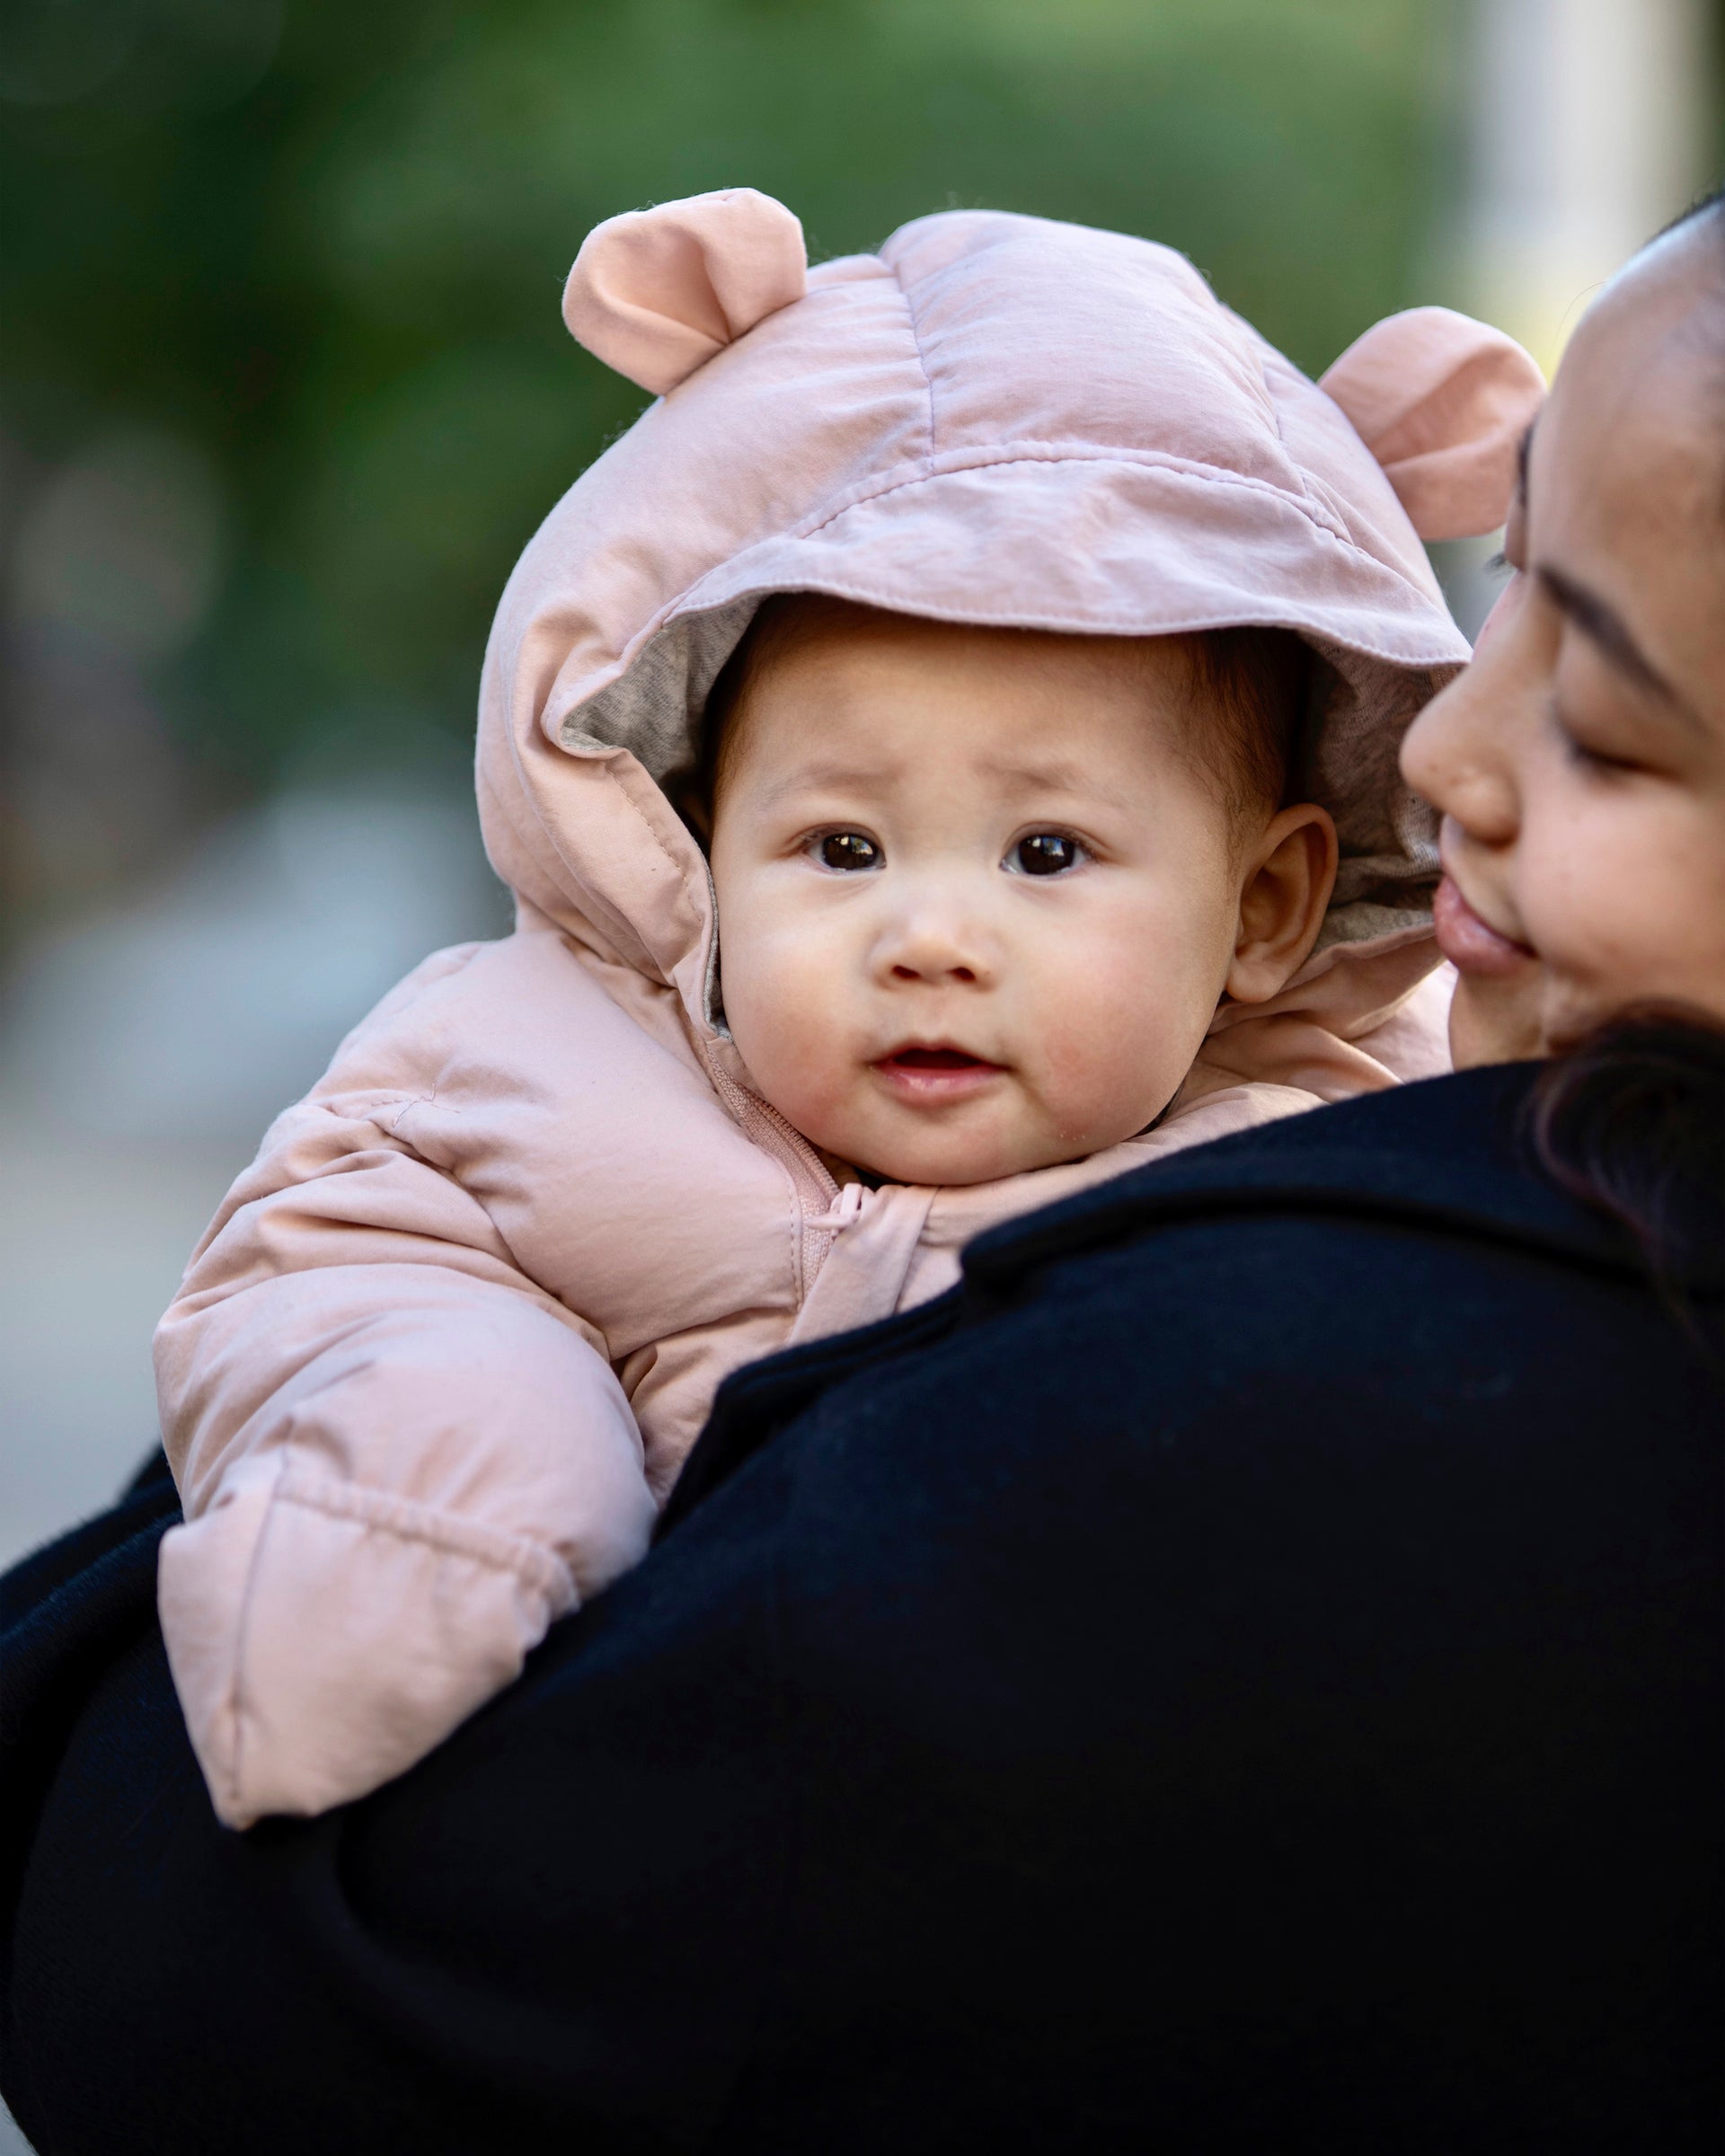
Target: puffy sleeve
[{"x": 399, "y": 1457}]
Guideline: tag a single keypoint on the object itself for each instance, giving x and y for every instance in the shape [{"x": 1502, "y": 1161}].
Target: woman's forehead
[
  {"x": 1626, "y": 477},
  {"x": 1634, "y": 430},
  {"x": 1651, "y": 351}
]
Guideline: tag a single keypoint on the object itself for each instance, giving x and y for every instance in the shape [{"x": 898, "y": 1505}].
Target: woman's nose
[
  {"x": 1460, "y": 752},
  {"x": 1452, "y": 760}
]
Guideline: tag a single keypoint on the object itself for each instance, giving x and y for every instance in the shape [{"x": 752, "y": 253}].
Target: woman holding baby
[{"x": 1241, "y": 1671}]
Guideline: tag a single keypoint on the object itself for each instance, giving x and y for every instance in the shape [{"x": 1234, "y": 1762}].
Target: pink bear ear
[
  {"x": 655, "y": 293},
  {"x": 1442, "y": 403}
]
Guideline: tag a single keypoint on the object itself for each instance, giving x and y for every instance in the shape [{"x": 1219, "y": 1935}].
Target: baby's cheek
[
  {"x": 812, "y": 1083},
  {"x": 791, "y": 1037},
  {"x": 1118, "y": 1042}
]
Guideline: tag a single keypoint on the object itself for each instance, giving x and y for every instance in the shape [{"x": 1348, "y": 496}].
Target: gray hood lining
[{"x": 1362, "y": 706}]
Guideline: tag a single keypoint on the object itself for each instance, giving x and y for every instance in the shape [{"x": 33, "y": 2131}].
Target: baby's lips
[{"x": 926, "y": 1074}]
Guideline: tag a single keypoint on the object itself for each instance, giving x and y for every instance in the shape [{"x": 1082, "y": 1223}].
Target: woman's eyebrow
[
  {"x": 1606, "y": 629},
  {"x": 1524, "y": 450}
]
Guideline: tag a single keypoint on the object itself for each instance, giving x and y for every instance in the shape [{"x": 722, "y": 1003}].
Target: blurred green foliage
[{"x": 324, "y": 244}]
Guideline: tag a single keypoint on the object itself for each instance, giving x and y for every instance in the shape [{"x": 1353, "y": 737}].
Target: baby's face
[{"x": 975, "y": 905}]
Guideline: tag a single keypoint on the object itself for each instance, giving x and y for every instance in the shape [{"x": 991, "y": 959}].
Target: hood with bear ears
[{"x": 998, "y": 420}]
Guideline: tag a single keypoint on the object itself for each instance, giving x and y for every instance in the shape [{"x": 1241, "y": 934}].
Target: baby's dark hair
[
  {"x": 1250, "y": 688},
  {"x": 1257, "y": 683}
]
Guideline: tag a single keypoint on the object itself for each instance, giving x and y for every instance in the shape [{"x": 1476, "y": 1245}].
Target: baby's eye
[
  {"x": 1044, "y": 853},
  {"x": 848, "y": 850}
]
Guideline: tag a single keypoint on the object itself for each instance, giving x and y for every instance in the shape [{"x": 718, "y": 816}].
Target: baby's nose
[
  {"x": 902, "y": 972},
  {"x": 937, "y": 945}
]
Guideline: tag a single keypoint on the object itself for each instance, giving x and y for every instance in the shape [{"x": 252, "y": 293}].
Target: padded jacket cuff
[{"x": 324, "y": 1636}]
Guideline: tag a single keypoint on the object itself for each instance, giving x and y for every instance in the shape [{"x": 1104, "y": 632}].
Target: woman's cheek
[
  {"x": 1584, "y": 866},
  {"x": 1599, "y": 889}
]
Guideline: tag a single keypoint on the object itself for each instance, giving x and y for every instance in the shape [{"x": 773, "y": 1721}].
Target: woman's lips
[
  {"x": 924, "y": 1075},
  {"x": 1470, "y": 944}
]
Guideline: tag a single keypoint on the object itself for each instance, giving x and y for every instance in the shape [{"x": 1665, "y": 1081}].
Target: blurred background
[{"x": 284, "y": 389}]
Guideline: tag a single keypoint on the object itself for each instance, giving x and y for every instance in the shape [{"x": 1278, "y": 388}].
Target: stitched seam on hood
[
  {"x": 523, "y": 830},
  {"x": 1003, "y": 456},
  {"x": 612, "y": 772},
  {"x": 922, "y": 356},
  {"x": 1150, "y": 460},
  {"x": 1104, "y": 625},
  {"x": 818, "y": 520},
  {"x": 609, "y": 919},
  {"x": 1269, "y": 361}
]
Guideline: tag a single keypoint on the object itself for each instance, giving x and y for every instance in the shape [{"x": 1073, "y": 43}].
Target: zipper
[{"x": 816, "y": 1190}]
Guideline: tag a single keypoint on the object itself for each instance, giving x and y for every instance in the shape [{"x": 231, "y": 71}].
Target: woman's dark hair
[
  {"x": 1631, "y": 1122},
  {"x": 1712, "y": 200}
]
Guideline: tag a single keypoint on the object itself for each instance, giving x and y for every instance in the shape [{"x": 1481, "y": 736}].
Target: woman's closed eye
[
  {"x": 1587, "y": 755},
  {"x": 1606, "y": 740},
  {"x": 1044, "y": 853}
]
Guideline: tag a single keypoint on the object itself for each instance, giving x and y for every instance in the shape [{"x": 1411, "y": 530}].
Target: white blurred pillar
[{"x": 1589, "y": 126}]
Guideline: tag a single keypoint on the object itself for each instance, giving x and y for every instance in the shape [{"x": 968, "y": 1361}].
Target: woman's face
[{"x": 1579, "y": 764}]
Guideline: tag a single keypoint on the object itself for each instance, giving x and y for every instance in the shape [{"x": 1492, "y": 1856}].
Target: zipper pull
[{"x": 846, "y": 1207}]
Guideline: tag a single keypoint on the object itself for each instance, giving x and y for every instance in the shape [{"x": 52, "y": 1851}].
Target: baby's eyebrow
[
  {"x": 1057, "y": 776},
  {"x": 816, "y": 778},
  {"x": 1054, "y": 775}
]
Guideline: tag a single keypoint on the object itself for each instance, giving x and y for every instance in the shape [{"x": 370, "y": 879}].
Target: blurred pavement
[{"x": 141, "y": 1056}]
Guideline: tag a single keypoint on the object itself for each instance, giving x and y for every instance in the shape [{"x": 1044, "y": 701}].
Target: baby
[
  {"x": 981, "y": 890},
  {"x": 945, "y": 757}
]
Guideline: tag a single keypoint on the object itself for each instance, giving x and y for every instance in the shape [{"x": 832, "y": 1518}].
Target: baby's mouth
[
  {"x": 938, "y": 1059},
  {"x": 927, "y": 1072}
]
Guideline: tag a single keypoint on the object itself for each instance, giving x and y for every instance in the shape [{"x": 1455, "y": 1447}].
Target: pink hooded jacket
[{"x": 444, "y": 1349}]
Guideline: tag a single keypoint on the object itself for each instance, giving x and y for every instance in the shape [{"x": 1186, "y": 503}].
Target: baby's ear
[
  {"x": 654, "y": 293},
  {"x": 1442, "y": 402}
]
